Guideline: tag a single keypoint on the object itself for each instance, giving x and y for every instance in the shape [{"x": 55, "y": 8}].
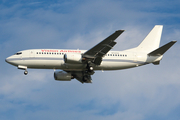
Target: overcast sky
[{"x": 144, "y": 93}]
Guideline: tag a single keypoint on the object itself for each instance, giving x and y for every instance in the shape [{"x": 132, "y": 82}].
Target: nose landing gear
[
  {"x": 25, "y": 72},
  {"x": 23, "y": 68}
]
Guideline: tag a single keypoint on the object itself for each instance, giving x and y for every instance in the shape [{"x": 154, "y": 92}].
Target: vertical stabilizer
[{"x": 152, "y": 40}]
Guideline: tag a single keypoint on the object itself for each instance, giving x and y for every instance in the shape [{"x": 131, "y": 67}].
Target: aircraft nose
[{"x": 7, "y": 60}]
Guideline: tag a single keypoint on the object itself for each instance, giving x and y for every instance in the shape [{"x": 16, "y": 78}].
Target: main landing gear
[
  {"x": 87, "y": 73},
  {"x": 90, "y": 69}
]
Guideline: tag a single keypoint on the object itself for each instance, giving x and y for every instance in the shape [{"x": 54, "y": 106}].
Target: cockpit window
[{"x": 18, "y": 53}]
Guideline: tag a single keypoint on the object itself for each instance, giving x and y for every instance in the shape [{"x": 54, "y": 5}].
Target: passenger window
[{"x": 39, "y": 52}]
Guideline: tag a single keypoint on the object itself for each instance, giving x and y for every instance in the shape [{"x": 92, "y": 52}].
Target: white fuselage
[
  {"x": 81, "y": 64},
  {"x": 54, "y": 59}
]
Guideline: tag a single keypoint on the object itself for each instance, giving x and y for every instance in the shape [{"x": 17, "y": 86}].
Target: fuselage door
[{"x": 31, "y": 54}]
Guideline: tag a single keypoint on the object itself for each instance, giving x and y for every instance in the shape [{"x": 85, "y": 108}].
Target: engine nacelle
[
  {"x": 62, "y": 76},
  {"x": 72, "y": 58}
]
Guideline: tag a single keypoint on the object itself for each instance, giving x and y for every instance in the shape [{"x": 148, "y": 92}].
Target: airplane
[{"x": 81, "y": 64}]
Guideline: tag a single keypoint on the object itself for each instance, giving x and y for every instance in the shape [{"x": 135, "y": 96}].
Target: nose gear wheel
[{"x": 25, "y": 72}]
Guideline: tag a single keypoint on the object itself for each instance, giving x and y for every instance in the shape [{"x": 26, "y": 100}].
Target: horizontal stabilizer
[{"x": 162, "y": 50}]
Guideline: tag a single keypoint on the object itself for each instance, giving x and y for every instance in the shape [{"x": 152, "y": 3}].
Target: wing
[
  {"x": 94, "y": 56},
  {"x": 96, "y": 53}
]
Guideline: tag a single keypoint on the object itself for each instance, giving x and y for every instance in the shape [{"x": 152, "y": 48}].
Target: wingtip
[
  {"x": 120, "y": 30},
  {"x": 158, "y": 25},
  {"x": 174, "y": 41}
]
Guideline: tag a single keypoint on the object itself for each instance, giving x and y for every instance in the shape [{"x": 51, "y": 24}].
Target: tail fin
[{"x": 152, "y": 40}]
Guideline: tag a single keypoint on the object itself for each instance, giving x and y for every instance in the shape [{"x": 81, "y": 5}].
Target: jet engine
[
  {"x": 72, "y": 58},
  {"x": 62, "y": 76}
]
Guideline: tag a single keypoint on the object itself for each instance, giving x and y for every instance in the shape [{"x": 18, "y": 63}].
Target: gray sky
[{"x": 142, "y": 93}]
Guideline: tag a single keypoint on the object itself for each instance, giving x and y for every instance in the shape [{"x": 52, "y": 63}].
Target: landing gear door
[{"x": 31, "y": 54}]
